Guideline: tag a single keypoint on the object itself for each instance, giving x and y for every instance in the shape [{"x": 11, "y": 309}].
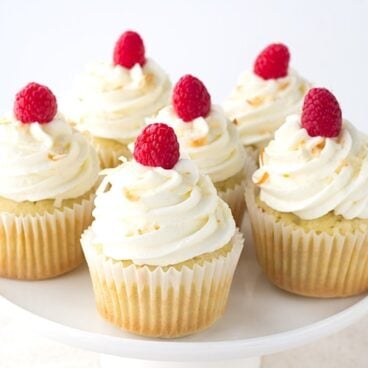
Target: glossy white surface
[{"x": 260, "y": 319}]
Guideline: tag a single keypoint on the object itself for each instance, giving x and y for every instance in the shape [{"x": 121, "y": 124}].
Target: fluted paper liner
[
  {"x": 161, "y": 303},
  {"x": 108, "y": 157},
  {"x": 234, "y": 197},
  {"x": 251, "y": 165},
  {"x": 253, "y": 152},
  {"x": 305, "y": 262},
  {"x": 40, "y": 246}
]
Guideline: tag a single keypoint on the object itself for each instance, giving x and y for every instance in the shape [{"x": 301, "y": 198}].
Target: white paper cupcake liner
[
  {"x": 153, "y": 301},
  {"x": 250, "y": 166},
  {"x": 306, "y": 262},
  {"x": 40, "y": 246},
  {"x": 253, "y": 153},
  {"x": 235, "y": 199},
  {"x": 109, "y": 157}
]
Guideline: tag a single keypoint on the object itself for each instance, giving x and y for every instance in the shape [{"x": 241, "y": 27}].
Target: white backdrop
[{"x": 50, "y": 41}]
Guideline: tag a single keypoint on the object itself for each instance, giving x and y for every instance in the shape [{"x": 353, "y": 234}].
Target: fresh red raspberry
[
  {"x": 35, "y": 103},
  {"x": 157, "y": 145},
  {"x": 191, "y": 98},
  {"x": 272, "y": 62},
  {"x": 129, "y": 50},
  {"x": 321, "y": 114}
]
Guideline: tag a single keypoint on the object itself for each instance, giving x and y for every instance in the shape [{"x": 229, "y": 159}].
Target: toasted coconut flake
[
  {"x": 130, "y": 195},
  {"x": 235, "y": 122},
  {"x": 256, "y": 101},
  {"x": 263, "y": 178},
  {"x": 59, "y": 151},
  {"x": 316, "y": 150},
  {"x": 298, "y": 145},
  {"x": 283, "y": 86},
  {"x": 54, "y": 156},
  {"x": 198, "y": 142},
  {"x": 343, "y": 163}
]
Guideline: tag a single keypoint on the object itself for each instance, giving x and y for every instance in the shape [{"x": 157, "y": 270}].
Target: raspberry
[
  {"x": 35, "y": 103},
  {"x": 129, "y": 50},
  {"x": 272, "y": 62},
  {"x": 191, "y": 98},
  {"x": 321, "y": 114},
  {"x": 157, "y": 145}
]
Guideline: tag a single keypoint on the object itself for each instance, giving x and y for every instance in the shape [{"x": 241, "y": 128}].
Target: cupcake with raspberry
[
  {"x": 309, "y": 203},
  {"x": 208, "y": 137},
  {"x": 111, "y": 100},
  {"x": 265, "y": 96},
  {"x": 163, "y": 247},
  {"x": 48, "y": 177}
]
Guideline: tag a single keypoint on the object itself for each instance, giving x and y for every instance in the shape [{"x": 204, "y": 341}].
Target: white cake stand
[{"x": 260, "y": 319}]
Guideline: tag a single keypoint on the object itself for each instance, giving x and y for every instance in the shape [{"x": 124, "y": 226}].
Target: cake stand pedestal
[{"x": 260, "y": 319}]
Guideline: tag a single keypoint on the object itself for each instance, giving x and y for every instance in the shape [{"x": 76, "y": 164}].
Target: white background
[{"x": 50, "y": 41}]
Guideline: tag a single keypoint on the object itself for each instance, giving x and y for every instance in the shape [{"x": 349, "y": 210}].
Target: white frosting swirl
[
  {"x": 111, "y": 101},
  {"x": 212, "y": 142},
  {"x": 44, "y": 161},
  {"x": 311, "y": 176},
  {"x": 160, "y": 217},
  {"x": 260, "y": 106}
]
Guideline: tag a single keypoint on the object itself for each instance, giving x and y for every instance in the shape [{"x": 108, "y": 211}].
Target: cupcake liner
[
  {"x": 305, "y": 262},
  {"x": 234, "y": 197},
  {"x": 161, "y": 302},
  {"x": 41, "y": 246},
  {"x": 109, "y": 157},
  {"x": 253, "y": 153},
  {"x": 250, "y": 166}
]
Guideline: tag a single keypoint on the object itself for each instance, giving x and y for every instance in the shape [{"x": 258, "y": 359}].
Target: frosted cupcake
[
  {"x": 264, "y": 97},
  {"x": 309, "y": 210},
  {"x": 111, "y": 99},
  {"x": 163, "y": 247},
  {"x": 210, "y": 139},
  {"x": 48, "y": 173}
]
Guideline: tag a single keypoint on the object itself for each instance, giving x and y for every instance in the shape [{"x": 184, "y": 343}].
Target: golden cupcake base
[
  {"x": 43, "y": 241},
  {"x": 324, "y": 264},
  {"x": 167, "y": 301}
]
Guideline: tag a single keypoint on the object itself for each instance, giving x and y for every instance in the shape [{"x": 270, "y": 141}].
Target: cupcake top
[
  {"x": 316, "y": 164},
  {"x": 112, "y": 99},
  {"x": 41, "y": 157},
  {"x": 157, "y": 209},
  {"x": 264, "y": 97},
  {"x": 206, "y": 136}
]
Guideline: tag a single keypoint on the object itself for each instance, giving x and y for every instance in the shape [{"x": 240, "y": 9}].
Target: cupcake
[
  {"x": 111, "y": 99},
  {"x": 48, "y": 174},
  {"x": 208, "y": 138},
  {"x": 309, "y": 205},
  {"x": 163, "y": 247},
  {"x": 264, "y": 97}
]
